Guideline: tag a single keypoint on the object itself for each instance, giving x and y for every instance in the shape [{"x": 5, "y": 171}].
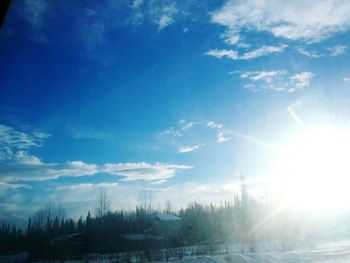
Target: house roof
[
  {"x": 138, "y": 237},
  {"x": 167, "y": 217},
  {"x": 70, "y": 239}
]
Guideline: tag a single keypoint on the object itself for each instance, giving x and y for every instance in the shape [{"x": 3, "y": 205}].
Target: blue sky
[{"x": 185, "y": 95}]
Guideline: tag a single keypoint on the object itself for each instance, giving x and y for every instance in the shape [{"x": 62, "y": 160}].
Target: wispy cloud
[
  {"x": 225, "y": 134},
  {"x": 164, "y": 21},
  {"x": 278, "y": 80},
  {"x": 232, "y": 37},
  {"x": 299, "y": 81},
  {"x": 311, "y": 54},
  {"x": 84, "y": 186},
  {"x": 173, "y": 132},
  {"x": 18, "y": 165},
  {"x": 25, "y": 167},
  {"x": 189, "y": 148},
  {"x": 187, "y": 126},
  {"x": 164, "y": 14},
  {"x": 337, "y": 50},
  {"x": 330, "y": 51},
  {"x": 267, "y": 76},
  {"x": 263, "y": 51},
  {"x": 252, "y": 139},
  {"x": 137, "y": 3},
  {"x": 259, "y": 52},
  {"x": 183, "y": 126},
  {"x": 12, "y": 140},
  {"x": 214, "y": 125},
  {"x": 4, "y": 185},
  {"x": 222, "y": 133},
  {"x": 33, "y": 12},
  {"x": 223, "y": 53},
  {"x": 307, "y": 20},
  {"x": 143, "y": 171}
]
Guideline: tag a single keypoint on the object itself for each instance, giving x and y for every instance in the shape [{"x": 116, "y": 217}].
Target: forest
[{"x": 50, "y": 234}]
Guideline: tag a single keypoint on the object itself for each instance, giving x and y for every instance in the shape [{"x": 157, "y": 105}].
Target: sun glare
[{"x": 313, "y": 170}]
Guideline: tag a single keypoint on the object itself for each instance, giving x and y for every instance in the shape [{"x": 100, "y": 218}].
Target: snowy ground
[{"x": 336, "y": 252}]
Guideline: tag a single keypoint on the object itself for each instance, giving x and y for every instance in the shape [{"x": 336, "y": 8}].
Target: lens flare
[{"x": 313, "y": 170}]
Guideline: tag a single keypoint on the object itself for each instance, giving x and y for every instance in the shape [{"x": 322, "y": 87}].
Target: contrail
[
  {"x": 252, "y": 139},
  {"x": 296, "y": 117}
]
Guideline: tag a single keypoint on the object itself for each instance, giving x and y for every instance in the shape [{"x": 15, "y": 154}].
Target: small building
[
  {"x": 69, "y": 245},
  {"x": 71, "y": 240},
  {"x": 166, "y": 224}
]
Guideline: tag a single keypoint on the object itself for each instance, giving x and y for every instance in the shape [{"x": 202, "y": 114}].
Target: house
[
  {"x": 68, "y": 245},
  {"x": 71, "y": 240},
  {"x": 166, "y": 224},
  {"x": 164, "y": 228}
]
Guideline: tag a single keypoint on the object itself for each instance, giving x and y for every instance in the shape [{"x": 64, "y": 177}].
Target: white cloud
[
  {"x": 25, "y": 167},
  {"x": 337, "y": 50},
  {"x": 222, "y": 134},
  {"x": 85, "y": 186},
  {"x": 4, "y": 185},
  {"x": 159, "y": 182},
  {"x": 187, "y": 126},
  {"x": 231, "y": 37},
  {"x": 18, "y": 165},
  {"x": 166, "y": 14},
  {"x": 232, "y": 54},
  {"x": 137, "y": 3},
  {"x": 347, "y": 79},
  {"x": 278, "y": 80},
  {"x": 215, "y": 125},
  {"x": 262, "y": 51},
  {"x": 311, "y": 54},
  {"x": 143, "y": 171},
  {"x": 189, "y": 148},
  {"x": 300, "y": 80},
  {"x": 223, "y": 53},
  {"x": 267, "y": 76},
  {"x": 12, "y": 140},
  {"x": 306, "y": 20},
  {"x": 165, "y": 21},
  {"x": 180, "y": 131},
  {"x": 173, "y": 132}
]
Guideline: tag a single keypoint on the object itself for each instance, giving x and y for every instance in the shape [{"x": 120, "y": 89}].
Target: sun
[{"x": 313, "y": 169}]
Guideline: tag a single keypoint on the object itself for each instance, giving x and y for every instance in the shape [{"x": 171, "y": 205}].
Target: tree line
[{"x": 243, "y": 221}]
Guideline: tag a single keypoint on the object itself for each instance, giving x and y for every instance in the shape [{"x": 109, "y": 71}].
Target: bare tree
[
  {"x": 168, "y": 207},
  {"x": 39, "y": 218},
  {"x": 145, "y": 195},
  {"x": 48, "y": 212},
  {"x": 102, "y": 206},
  {"x": 61, "y": 212}
]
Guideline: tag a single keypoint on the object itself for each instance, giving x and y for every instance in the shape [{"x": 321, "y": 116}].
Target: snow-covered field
[
  {"x": 336, "y": 252},
  {"x": 333, "y": 252}
]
